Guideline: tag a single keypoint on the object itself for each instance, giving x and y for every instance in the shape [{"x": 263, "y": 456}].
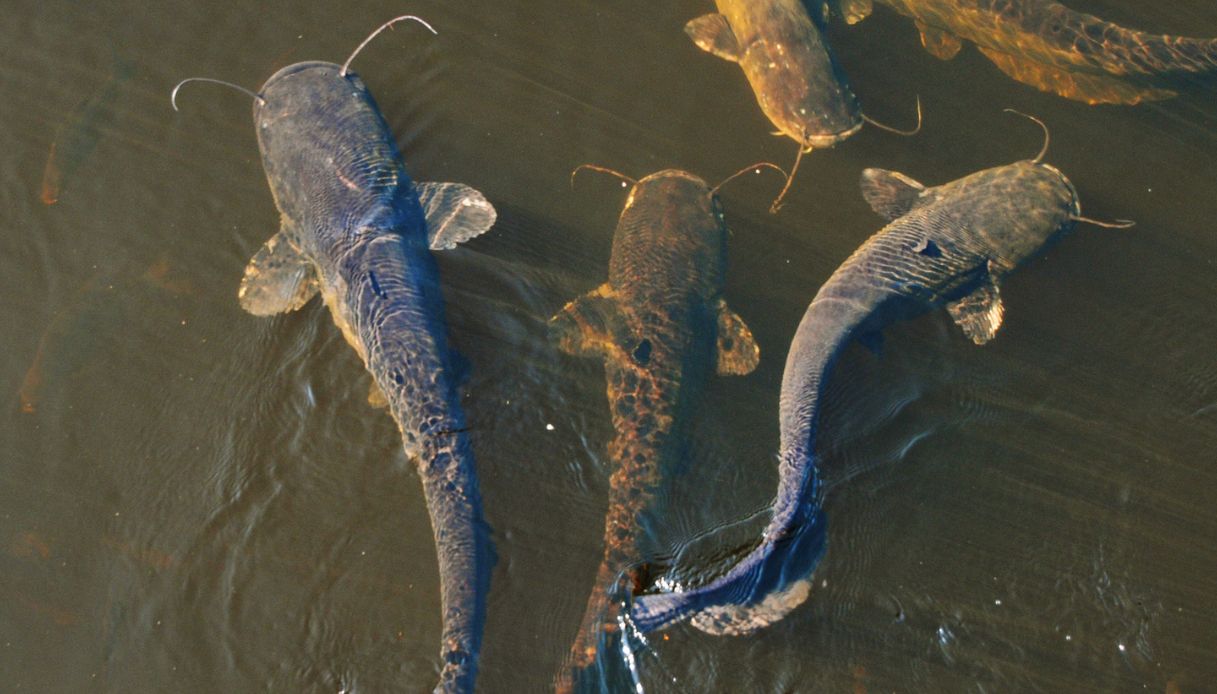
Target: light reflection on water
[{"x": 197, "y": 500}]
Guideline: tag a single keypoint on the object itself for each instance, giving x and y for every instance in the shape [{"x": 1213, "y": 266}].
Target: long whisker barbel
[
  {"x": 1047, "y": 137},
  {"x": 751, "y": 167},
  {"x": 798, "y": 158},
  {"x": 173, "y": 94},
  {"x": 1117, "y": 224},
  {"x": 601, "y": 169},
  {"x": 386, "y": 25},
  {"x": 897, "y": 131}
]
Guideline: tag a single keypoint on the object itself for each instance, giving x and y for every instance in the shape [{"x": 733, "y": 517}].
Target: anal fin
[
  {"x": 940, "y": 44},
  {"x": 278, "y": 278},
  {"x": 738, "y": 353},
  {"x": 855, "y": 11},
  {"x": 713, "y": 34},
  {"x": 1079, "y": 86}
]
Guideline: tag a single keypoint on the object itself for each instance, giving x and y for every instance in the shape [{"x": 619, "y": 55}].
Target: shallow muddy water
[{"x": 194, "y": 499}]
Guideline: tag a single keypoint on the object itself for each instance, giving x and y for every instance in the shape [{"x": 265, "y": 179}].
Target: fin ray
[
  {"x": 979, "y": 314},
  {"x": 713, "y": 34},
  {"x": 738, "y": 353},
  {"x": 455, "y": 213},
  {"x": 890, "y": 194},
  {"x": 278, "y": 278}
]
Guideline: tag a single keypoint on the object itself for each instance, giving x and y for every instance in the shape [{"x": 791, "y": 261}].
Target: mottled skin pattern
[
  {"x": 350, "y": 208},
  {"x": 792, "y": 71},
  {"x": 665, "y": 283},
  {"x": 953, "y": 239},
  {"x": 1012, "y": 32}
]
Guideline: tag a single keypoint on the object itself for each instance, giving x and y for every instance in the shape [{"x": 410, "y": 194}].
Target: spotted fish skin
[
  {"x": 948, "y": 245},
  {"x": 1053, "y": 48},
  {"x": 659, "y": 324},
  {"x": 791, "y": 68},
  {"x": 354, "y": 230}
]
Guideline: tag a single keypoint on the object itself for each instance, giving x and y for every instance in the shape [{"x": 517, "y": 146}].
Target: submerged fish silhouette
[
  {"x": 947, "y": 245},
  {"x": 1055, "y": 49},
  {"x": 660, "y": 324},
  {"x": 356, "y": 230},
  {"x": 77, "y": 137}
]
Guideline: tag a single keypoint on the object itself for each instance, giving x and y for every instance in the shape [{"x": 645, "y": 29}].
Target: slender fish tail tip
[
  {"x": 897, "y": 131},
  {"x": 798, "y": 158},
  {"x": 1043, "y": 150},
  {"x": 173, "y": 94},
  {"x": 601, "y": 169},
  {"x": 386, "y": 25}
]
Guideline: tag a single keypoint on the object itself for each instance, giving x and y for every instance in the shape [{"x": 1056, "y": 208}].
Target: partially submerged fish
[
  {"x": 77, "y": 137},
  {"x": 661, "y": 325},
  {"x": 356, "y": 230},
  {"x": 950, "y": 246},
  {"x": 1055, "y": 49},
  {"x": 793, "y": 73}
]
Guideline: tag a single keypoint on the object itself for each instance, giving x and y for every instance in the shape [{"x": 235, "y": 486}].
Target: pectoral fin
[
  {"x": 855, "y": 11},
  {"x": 1088, "y": 88},
  {"x": 891, "y": 194},
  {"x": 738, "y": 353},
  {"x": 587, "y": 325},
  {"x": 713, "y": 34},
  {"x": 377, "y": 397},
  {"x": 455, "y": 213},
  {"x": 277, "y": 279},
  {"x": 979, "y": 314},
  {"x": 940, "y": 44}
]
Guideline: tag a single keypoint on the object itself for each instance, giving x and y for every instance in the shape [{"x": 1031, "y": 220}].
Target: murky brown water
[{"x": 193, "y": 499}]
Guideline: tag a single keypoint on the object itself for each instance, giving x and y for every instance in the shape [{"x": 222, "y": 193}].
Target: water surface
[{"x": 198, "y": 500}]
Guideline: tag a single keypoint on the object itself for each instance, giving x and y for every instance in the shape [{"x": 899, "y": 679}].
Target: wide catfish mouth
[
  {"x": 1075, "y": 203},
  {"x": 823, "y": 141},
  {"x": 295, "y": 68}
]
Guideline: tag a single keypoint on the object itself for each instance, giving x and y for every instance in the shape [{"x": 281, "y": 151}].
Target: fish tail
[{"x": 464, "y": 550}]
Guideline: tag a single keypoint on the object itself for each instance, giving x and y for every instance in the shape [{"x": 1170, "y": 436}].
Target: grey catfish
[
  {"x": 660, "y": 324},
  {"x": 356, "y": 230},
  {"x": 947, "y": 245},
  {"x": 1048, "y": 46}
]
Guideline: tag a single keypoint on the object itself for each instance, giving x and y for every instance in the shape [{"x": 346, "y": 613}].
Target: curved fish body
[
  {"x": 793, "y": 73},
  {"x": 356, "y": 230},
  {"x": 948, "y": 245},
  {"x": 1055, "y": 49},
  {"x": 661, "y": 325}
]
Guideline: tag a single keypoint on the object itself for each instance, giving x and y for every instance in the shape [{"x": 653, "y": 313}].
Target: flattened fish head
[
  {"x": 1024, "y": 207},
  {"x": 803, "y": 93}
]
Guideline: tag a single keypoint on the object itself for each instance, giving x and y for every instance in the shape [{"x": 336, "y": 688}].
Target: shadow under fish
[
  {"x": 661, "y": 325},
  {"x": 356, "y": 230},
  {"x": 950, "y": 246},
  {"x": 77, "y": 137},
  {"x": 1052, "y": 48}
]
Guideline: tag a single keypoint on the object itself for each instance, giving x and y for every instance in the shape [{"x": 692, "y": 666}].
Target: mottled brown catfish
[
  {"x": 1050, "y": 47},
  {"x": 660, "y": 324}
]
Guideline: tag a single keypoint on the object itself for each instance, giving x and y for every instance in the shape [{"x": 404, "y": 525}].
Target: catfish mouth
[
  {"x": 823, "y": 141},
  {"x": 1075, "y": 204},
  {"x": 300, "y": 67}
]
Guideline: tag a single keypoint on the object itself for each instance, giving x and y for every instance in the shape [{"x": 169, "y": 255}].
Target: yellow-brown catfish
[
  {"x": 1050, "y": 47},
  {"x": 660, "y": 324}
]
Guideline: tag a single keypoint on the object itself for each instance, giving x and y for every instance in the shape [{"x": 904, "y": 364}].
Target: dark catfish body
[
  {"x": 949, "y": 245},
  {"x": 793, "y": 73},
  {"x": 661, "y": 325},
  {"x": 1048, "y": 46},
  {"x": 357, "y": 230}
]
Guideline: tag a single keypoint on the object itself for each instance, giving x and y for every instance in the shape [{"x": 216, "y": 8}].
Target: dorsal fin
[{"x": 890, "y": 194}]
